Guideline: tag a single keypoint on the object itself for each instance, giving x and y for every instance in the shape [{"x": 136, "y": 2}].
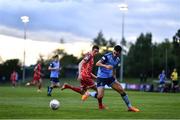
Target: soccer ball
[
  {"x": 54, "y": 104},
  {"x": 28, "y": 84}
]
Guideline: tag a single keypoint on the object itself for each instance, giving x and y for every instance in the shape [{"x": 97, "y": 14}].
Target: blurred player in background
[
  {"x": 54, "y": 68},
  {"x": 162, "y": 79},
  {"x": 14, "y": 78},
  {"x": 37, "y": 76},
  {"x": 85, "y": 75},
  {"x": 107, "y": 76},
  {"x": 175, "y": 82}
]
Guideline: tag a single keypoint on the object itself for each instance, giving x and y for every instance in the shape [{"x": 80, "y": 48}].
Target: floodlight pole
[
  {"x": 123, "y": 7},
  {"x": 25, "y": 20}
]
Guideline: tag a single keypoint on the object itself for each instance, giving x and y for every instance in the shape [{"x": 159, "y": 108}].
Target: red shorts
[
  {"x": 87, "y": 82},
  {"x": 36, "y": 78}
]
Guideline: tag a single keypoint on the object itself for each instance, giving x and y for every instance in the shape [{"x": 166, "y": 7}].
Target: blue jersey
[
  {"x": 162, "y": 78},
  {"x": 54, "y": 73},
  {"x": 108, "y": 59}
]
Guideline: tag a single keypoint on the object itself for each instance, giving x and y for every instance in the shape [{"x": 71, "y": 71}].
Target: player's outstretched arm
[
  {"x": 100, "y": 64},
  {"x": 79, "y": 70}
]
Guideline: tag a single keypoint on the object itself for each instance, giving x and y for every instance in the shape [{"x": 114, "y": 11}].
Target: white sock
[{"x": 92, "y": 94}]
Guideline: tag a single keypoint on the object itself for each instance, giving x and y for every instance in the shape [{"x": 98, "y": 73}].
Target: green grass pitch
[{"x": 26, "y": 103}]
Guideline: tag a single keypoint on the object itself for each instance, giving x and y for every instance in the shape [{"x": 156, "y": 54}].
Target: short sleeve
[
  {"x": 104, "y": 59},
  {"x": 87, "y": 57}
]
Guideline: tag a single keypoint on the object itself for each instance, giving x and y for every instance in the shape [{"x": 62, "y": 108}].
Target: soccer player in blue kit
[
  {"x": 162, "y": 79},
  {"x": 106, "y": 76},
  {"x": 54, "y": 67}
]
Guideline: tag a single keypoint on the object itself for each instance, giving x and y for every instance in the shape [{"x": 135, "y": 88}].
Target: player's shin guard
[{"x": 126, "y": 99}]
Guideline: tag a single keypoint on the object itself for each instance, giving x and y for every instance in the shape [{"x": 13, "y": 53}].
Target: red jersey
[
  {"x": 37, "y": 71},
  {"x": 14, "y": 76},
  {"x": 87, "y": 66}
]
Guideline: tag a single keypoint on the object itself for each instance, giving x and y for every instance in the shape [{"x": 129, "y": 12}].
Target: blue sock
[
  {"x": 126, "y": 99},
  {"x": 49, "y": 90},
  {"x": 93, "y": 94}
]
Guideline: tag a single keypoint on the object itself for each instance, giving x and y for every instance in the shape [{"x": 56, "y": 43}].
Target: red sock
[
  {"x": 39, "y": 87},
  {"x": 76, "y": 89},
  {"x": 100, "y": 101},
  {"x": 67, "y": 86}
]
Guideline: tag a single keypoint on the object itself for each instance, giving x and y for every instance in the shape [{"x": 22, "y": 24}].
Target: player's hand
[
  {"x": 109, "y": 67},
  {"x": 93, "y": 76}
]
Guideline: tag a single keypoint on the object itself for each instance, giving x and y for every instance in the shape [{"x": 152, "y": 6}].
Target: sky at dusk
[
  {"x": 78, "y": 21},
  {"x": 81, "y": 20}
]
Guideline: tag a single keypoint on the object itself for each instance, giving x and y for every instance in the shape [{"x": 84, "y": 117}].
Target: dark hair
[
  {"x": 118, "y": 48},
  {"x": 95, "y": 47},
  {"x": 55, "y": 56}
]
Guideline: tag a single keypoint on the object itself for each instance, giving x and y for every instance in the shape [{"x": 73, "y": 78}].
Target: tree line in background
[
  {"x": 146, "y": 57},
  {"x": 143, "y": 57},
  {"x": 151, "y": 58}
]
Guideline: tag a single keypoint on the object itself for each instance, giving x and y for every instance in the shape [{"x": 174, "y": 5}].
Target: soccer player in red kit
[
  {"x": 85, "y": 75},
  {"x": 37, "y": 77},
  {"x": 14, "y": 78}
]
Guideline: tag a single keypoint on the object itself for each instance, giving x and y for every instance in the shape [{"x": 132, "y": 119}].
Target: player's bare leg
[
  {"x": 87, "y": 93},
  {"x": 100, "y": 97},
  {"x": 95, "y": 95},
  {"x": 14, "y": 84},
  {"x": 39, "y": 85}
]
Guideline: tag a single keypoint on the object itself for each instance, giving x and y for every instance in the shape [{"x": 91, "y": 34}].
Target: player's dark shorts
[
  {"x": 176, "y": 82},
  {"x": 101, "y": 82},
  {"x": 54, "y": 80},
  {"x": 36, "y": 78},
  {"x": 161, "y": 82},
  {"x": 87, "y": 82}
]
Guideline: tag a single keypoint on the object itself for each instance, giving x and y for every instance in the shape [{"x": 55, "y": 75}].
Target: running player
[
  {"x": 54, "y": 67},
  {"x": 175, "y": 82},
  {"x": 14, "y": 78},
  {"x": 106, "y": 76},
  {"x": 162, "y": 79},
  {"x": 37, "y": 76},
  {"x": 86, "y": 76}
]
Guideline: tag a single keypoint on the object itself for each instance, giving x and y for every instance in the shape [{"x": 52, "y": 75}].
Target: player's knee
[
  {"x": 100, "y": 96},
  {"x": 120, "y": 90}
]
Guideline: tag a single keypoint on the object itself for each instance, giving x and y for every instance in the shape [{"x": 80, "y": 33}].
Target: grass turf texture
[{"x": 26, "y": 103}]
